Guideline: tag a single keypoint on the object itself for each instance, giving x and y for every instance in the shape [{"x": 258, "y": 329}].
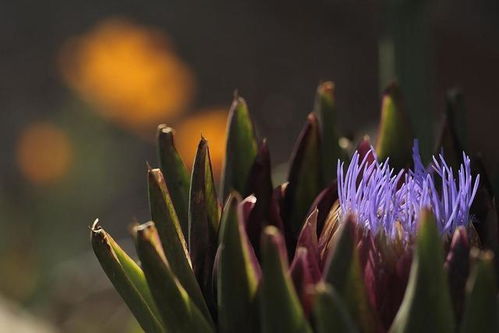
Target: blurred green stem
[{"x": 405, "y": 55}]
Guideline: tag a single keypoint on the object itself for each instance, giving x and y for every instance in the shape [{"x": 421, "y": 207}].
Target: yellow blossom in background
[
  {"x": 129, "y": 73},
  {"x": 210, "y": 123},
  {"x": 44, "y": 153}
]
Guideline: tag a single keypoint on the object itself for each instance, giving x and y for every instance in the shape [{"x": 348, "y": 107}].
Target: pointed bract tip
[
  {"x": 237, "y": 101},
  {"x": 312, "y": 119},
  {"x": 95, "y": 227},
  {"x": 165, "y": 129},
  {"x": 460, "y": 237},
  {"x": 144, "y": 227},
  {"x": 326, "y": 87},
  {"x": 271, "y": 233},
  {"x": 426, "y": 217}
]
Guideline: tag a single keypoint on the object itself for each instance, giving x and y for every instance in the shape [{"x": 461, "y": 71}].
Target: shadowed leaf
[
  {"x": 175, "y": 173},
  {"x": 237, "y": 275},
  {"x": 427, "y": 298},
  {"x": 330, "y": 312},
  {"x": 308, "y": 240},
  {"x": 172, "y": 239},
  {"x": 323, "y": 203},
  {"x": 178, "y": 311},
  {"x": 301, "y": 276},
  {"x": 457, "y": 265},
  {"x": 281, "y": 310},
  {"x": 127, "y": 278},
  {"x": 265, "y": 210},
  {"x": 344, "y": 273},
  {"x": 204, "y": 216},
  {"x": 394, "y": 134},
  {"x": 305, "y": 179},
  {"x": 453, "y": 134},
  {"x": 364, "y": 147},
  {"x": 241, "y": 149},
  {"x": 325, "y": 109},
  {"x": 480, "y": 307}
]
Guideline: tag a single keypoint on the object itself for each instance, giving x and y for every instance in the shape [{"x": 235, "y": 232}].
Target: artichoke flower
[{"x": 345, "y": 245}]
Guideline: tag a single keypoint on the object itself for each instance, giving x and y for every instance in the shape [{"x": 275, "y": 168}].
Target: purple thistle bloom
[{"x": 382, "y": 199}]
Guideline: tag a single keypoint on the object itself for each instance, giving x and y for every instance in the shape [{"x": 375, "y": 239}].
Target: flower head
[{"x": 389, "y": 201}]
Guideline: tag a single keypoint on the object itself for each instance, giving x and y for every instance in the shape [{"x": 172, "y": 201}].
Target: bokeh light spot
[
  {"x": 129, "y": 73},
  {"x": 44, "y": 153},
  {"x": 210, "y": 123}
]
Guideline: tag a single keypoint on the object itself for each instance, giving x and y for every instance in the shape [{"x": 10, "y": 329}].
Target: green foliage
[
  {"x": 394, "y": 134},
  {"x": 203, "y": 270},
  {"x": 237, "y": 279},
  {"x": 204, "y": 217},
  {"x": 127, "y": 278},
  {"x": 280, "y": 307},
  {"x": 178, "y": 311},
  {"x": 481, "y": 308},
  {"x": 427, "y": 298},
  {"x": 330, "y": 312},
  {"x": 241, "y": 149},
  {"x": 305, "y": 176},
  {"x": 177, "y": 182}
]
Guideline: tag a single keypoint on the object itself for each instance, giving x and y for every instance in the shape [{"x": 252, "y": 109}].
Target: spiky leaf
[
  {"x": 204, "y": 216},
  {"x": 344, "y": 273},
  {"x": 127, "y": 278},
  {"x": 427, "y": 298},
  {"x": 241, "y": 149},
  {"x": 457, "y": 267},
  {"x": 480, "y": 307},
  {"x": 260, "y": 185},
  {"x": 330, "y": 312},
  {"x": 175, "y": 173},
  {"x": 178, "y": 311},
  {"x": 280, "y": 307},
  {"x": 172, "y": 239},
  {"x": 325, "y": 108},
  {"x": 305, "y": 177},
  {"x": 237, "y": 274},
  {"x": 301, "y": 275},
  {"x": 394, "y": 134}
]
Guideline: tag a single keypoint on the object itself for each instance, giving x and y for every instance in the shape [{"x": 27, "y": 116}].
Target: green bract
[{"x": 259, "y": 258}]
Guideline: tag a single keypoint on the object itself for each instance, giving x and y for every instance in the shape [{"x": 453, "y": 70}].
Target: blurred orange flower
[
  {"x": 129, "y": 73},
  {"x": 210, "y": 123},
  {"x": 44, "y": 153}
]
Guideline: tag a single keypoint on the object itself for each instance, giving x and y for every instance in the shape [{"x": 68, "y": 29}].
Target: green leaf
[
  {"x": 237, "y": 275},
  {"x": 480, "y": 305},
  {"x": 426, "y": 306},
  {"x": 344, "y": 273},
  {"x": 178, "y": 311},
  {"x": 281, "y": 310},
  {"x": 453, "y": 138},
  {"x": 172, "y": 239},
  {"x": 325, "y": 109},
  {"x": 204, "y": 217},
  {"x": 175, "y": 173},
  {"x": 394, "y": 134},
  {"x": 127, "y": 278},
  {"x": 305, "y": 177},
  {"x": 330, "y": 312},
  {"x": 241, "y": 149}
]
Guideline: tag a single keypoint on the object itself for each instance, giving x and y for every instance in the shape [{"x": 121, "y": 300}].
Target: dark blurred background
[{"x": 84, "y": 84}]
